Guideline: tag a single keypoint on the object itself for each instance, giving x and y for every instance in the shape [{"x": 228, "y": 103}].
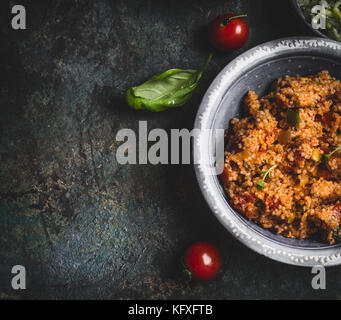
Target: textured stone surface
[{"x": 83, "y": 225}]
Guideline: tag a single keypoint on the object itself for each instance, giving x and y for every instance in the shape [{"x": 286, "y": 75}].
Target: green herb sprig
[
  {"x": 261, "y": 183},
  {"x": 326, "y": 157}
]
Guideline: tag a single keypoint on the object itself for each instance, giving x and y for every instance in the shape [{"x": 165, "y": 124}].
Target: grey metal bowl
[
  {"x": 304, "y": 20},
  {"x": 256, "y": 69}
]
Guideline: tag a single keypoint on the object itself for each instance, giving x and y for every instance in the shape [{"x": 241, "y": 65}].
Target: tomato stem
[{"x": 227, "y": 20}]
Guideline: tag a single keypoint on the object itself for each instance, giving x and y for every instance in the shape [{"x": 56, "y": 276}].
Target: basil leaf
[{"x": 172, "y": 88}]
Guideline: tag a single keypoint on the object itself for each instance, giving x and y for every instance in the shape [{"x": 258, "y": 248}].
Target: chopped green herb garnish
[
  {"x": 293, "y": 117},
  {"x": 336, "y": 233},
  {"x": 326, "y": 157},
  {"x": 261, "y": 183}
]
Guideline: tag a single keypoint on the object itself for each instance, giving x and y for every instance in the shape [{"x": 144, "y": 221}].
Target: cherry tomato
[
  {"x": 229, "y": 32},
  {"x": 203, "y": 261}
]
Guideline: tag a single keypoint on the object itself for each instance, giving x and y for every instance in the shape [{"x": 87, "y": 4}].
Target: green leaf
[
  {"x": 170, "y": 89},
  {"x": 326, "y": 157},
  {"x": 293, "y": 117},
  {"x": 260, "y": 185}
]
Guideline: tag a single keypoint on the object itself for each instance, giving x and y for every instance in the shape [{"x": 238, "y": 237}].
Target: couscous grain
[{"x": 282, "y": 164}]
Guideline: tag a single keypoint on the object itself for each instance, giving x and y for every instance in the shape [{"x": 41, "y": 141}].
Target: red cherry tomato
[
  {"x": 203, "y": 261},
  {"x": 229, "y": 32}
]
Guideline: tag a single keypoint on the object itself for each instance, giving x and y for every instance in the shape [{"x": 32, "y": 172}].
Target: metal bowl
[
  {"x": 304, "y": 20},
  {"x": 255, "y": 70}
]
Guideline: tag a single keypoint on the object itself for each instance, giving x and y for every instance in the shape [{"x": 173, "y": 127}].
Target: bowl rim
[
  {"x": 303, "y": 18},
  {"x": 207, "y": 180}
]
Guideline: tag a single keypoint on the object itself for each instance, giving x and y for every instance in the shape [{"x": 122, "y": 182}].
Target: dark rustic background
[{"x": 84, "y": 226}]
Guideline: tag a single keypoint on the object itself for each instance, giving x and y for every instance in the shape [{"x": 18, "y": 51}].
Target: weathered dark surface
[{"x": 83, "y": 225}]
